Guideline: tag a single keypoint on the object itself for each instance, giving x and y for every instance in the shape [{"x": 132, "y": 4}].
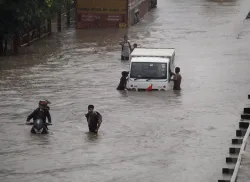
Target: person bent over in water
[
  {"x": 134, "y": 46},
  {"x": 94, "y": 119},
  {"x": 177, "y": 79},
  {"x": 123, "y": 81}
]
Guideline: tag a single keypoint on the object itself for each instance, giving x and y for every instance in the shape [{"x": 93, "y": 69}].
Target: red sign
[
  {"x": 114, "y": 18},
  {"x": 99, "y": 20},
  {"x": 89, "y": 17},
  {"x": 85, "y": 17}
]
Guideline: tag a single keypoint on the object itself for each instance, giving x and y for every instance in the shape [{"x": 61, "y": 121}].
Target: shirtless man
[{"x": 177, "y": 79}]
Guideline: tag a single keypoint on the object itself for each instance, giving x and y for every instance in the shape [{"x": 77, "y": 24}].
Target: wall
[
  {"x": 133, "y": 5},
  {"x": 103, "y": 6},
  {"x": 101, "y": 13}
]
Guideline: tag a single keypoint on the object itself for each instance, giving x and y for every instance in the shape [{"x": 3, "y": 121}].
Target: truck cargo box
[{"x": 110, "y": 13}]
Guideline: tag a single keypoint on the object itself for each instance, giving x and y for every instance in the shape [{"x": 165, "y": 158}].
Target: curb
[
  {"x": 247, "y": 110},
  {"x": 237, "y": 141},
  {"x": 245, "y": 116},
  {"x": 248, "y": 16},
  {"x": 236, "y": 151}
]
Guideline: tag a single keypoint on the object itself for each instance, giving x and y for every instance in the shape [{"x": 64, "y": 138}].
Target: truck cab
[{"x": 151, "y": 67}]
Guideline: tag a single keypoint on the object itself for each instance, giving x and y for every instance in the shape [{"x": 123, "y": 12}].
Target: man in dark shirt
[
  {"x": 123, "y": 81},
  {"x": 94, "y": 119},
  {"x": 42, "y": 112},
  {"x": 134, "y": 46},
  {"x": 177, "y": 79}
]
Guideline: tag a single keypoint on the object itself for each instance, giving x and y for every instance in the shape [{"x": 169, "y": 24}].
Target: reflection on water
[
  {"x": 221, "y": 2},
  {"x": 123, "y": 93},
  {"x": 92, "y": 137},
  {"x": 40, "y": 139},
  {"x": 177, "y": 92}
]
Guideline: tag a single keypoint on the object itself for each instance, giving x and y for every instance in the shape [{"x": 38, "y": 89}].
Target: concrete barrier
[
  {"x": 247, "y": 110},
  {"x": 232, "y": 160},
  {"x": 243, "y": 133},
  {"x": 236, "y": 169},
  {"x": 233, "y": 150},
  {"x": 243, "y": 125},
  {"x": 245, "y": 116},
  {"x": 227, "y": 171},
  {"x": 237, "y": 141}
]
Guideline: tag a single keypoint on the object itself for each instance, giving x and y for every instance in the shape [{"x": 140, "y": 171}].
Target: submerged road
[{"x": 145, "y": 137}]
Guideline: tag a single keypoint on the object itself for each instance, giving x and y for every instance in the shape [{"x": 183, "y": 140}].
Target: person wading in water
[
  {"x": 123, "y": 81},
  {"x": 134, "y": 46},
  {"x": 94, "y": 119},
  {"x": 126, "y": 49},
  {"x": 177, "y": 79}
]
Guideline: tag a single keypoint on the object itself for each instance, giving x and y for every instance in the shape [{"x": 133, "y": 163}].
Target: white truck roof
[
  {"x": 149, "y": 60},
  {"x": 153, "y": 52}
]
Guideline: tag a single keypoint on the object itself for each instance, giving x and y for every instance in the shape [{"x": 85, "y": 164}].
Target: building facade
[{"x": 111, "y": 13}]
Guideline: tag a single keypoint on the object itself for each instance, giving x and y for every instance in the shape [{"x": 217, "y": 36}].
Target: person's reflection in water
[
  {"x": 177, "y": 97},
  {"x": 177, "y": 92},
  {"x": 91, "y": 137},
  {"x": 123, "y": 93},
  {"x": 40, "y": 139}
]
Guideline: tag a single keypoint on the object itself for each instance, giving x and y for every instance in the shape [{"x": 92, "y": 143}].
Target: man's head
[
  {"x": 135, "y": 45},
  {"x": 177, "y": 70},
  {"x": 126, "y": 38},
  {"x": 91, "y": 108},
  {"x": 43, "y": 105},
  {"x": 125, "y": 73}
]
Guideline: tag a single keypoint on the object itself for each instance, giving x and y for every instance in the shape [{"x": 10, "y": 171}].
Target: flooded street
[{"x": 145, "y": 136}]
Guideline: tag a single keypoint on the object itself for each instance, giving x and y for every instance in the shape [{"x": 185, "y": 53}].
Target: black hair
[
  {"x": 125, "y": 73},
  {"x": 177, "y": 69},
  {"x": 91, "y": 107}
]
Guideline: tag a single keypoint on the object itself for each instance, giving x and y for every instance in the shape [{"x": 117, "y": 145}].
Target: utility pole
[
  {"x": 68, "y": 12},
  {"x": 59, "y": 19}
]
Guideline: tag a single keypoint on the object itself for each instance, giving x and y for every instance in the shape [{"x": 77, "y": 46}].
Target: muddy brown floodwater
[{"x": 148, "y": 137}]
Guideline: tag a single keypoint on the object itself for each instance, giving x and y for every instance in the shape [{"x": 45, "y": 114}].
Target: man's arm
[
  {"x": 175, "y": 78},
  {"x": 99, "y": 120},
  {"x": 49, "y": 117},
  {"x": 130, "y": 46},
  {"x": 87, "y": 117},
  {"x": 99, "y": 116},
  {"x": 98, "y": 125},
  {"x": 122, "y": 43},
  {"x": 31, "y": 115}
]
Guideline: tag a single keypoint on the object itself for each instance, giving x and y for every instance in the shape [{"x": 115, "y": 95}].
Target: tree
[{"x": 19, "y": 16}]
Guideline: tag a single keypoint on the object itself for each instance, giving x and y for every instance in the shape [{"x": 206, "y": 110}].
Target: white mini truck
[{"x": 151, "y": 67}]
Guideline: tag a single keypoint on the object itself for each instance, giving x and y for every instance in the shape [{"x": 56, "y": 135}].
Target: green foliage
[{"x": 17, "y": 15}]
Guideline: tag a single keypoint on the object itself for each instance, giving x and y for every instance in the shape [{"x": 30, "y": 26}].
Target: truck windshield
[{"x": 146, "y": 70}]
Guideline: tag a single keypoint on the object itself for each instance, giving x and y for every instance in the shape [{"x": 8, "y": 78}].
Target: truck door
[
  {"x": 172, "y": 63},
  {"x": 169, "y": 71}
]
